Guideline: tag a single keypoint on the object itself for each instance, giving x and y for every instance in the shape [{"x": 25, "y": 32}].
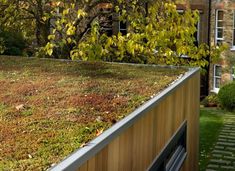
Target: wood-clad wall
[{"x": 136, "y": 147}]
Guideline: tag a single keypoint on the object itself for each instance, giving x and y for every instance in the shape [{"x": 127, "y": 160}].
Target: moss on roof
[{"x": 49, "y": 108}]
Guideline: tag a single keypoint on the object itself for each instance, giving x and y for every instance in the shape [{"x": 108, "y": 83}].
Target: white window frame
[
  {"x": 216, "y": 26},
  {"x": 216, "y": 89},
  {"x": 198, "y": 30},
  {"x": 233, "y": 41},
  {"x": 233, "y": 73}
]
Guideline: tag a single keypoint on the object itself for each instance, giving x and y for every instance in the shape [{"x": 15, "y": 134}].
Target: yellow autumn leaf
[
  {"x": 51, "y": 37},
  {"x": 44, "y": 18},
  {"x": 71, "y": 31},
  {"x": 69, "y": 40},
  {"x": 81, "y": 13}
]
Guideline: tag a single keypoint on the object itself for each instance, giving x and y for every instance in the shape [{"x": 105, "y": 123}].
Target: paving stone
[
  {"x": 213, "y": 166},
  {"x": 223, "y": 155},
  {"x": 217, "y": 155},
  {"x": 232, "y": 134},
  {"x": 227, "y": 167},
  {"x": 227, "y": 128},
  {"x": 224, "y": 133},
  {"x": 227, "y": 137},
  {"x": 222, "y": 140},
  {"x": 220, "y": 161},
  {"x": 230, "y": 127},
  {"x": 226, "y": 144},
  {"x": 222, "y": 152},
  {"x": 230, "y": 148},
  {"x": 228, "y": 131},
  {"x": 233, "y": 141},
  {"x": 230, "y": 157},
  {"x": 219, "y": 147}
]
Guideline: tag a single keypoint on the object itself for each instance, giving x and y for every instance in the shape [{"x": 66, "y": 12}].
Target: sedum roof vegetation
[{"x": 49, "y": 108}]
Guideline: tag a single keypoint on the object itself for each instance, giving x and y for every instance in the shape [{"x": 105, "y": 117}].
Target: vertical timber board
[
  {"x": 179, "y": 116},
  {"x": 143, "y": 142},
  {"x": 113, "y": 155},
  {"x": 125, "y": 150},
  {"x": 101, "y": 160},
  {"x": 91, "y": 164},
  {"x": 83, "y": 167},
  {"x": 192, "y": 115}
]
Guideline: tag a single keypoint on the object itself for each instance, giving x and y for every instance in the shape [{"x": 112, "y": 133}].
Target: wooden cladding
[{"x": 136, "y": 146}]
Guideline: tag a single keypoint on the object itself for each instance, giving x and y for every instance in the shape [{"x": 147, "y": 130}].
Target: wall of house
[
  {"x": 228, "y": 7},
  {"x": 203, "y": 7}
]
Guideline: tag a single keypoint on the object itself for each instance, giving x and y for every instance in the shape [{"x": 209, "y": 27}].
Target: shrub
[
  {"x": 211, "y": 100},
  {"x": 14, "y": 42},
  {"x": 226, "y": 96}
]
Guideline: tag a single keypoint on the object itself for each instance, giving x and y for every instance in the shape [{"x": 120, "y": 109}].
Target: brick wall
[{"x": 228, "y": 6}]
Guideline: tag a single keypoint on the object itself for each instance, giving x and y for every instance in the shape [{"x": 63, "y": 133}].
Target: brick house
[
  {"x": 216, "y": 26},
  {"x": 222, "y": 31},
  {"x": 203, "y": 31}
]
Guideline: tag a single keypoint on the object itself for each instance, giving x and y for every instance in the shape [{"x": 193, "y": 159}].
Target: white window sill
[
  {"x": 233, "y": 48},
  {"x": 215, "y": 90}
]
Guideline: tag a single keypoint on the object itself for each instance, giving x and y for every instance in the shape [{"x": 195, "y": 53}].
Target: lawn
[
  {"x": 211, "y": 122},
  {"x": 50, "y": 108}
]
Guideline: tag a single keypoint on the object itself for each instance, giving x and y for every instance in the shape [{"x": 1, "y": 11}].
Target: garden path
[{"x": 223, "y": 154}]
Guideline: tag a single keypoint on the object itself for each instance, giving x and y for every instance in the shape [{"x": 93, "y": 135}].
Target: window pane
[
  {"x": 106, "y": 21},
  {"x": 233, "y": 73},
  {"x": 122, "y": 25},
  {"x": 233, "y": 37},
  {"x": 220, "y": 24},
  {"x": 233, "y": 18},
  {"x": 220, "y": 15},
  {"x": 217, "y": 82},
  {"x": 219, "y": 42},
  {"x": 218, "y": 71},
  {"x": 219, "y": 33}
]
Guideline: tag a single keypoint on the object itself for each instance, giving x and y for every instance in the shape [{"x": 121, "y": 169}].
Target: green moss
[{"x": 66, "y": 104}]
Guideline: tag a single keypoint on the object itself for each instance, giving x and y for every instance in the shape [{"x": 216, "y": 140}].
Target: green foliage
[
  {"x": 73, "y": 30},
  {"x": 226, "y": 96},
  {"x": 31, "y": 17},
  {"x": 211, "y": 100},
  {"x": 14, "y": 43},
  {"x": 2, "y": 45},
  {"x": 230, "y": 58},
  {"x": 160, "y": 36}
]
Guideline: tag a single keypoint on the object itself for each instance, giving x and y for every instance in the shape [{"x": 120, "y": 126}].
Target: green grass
[{"x": 211, "y": 122}]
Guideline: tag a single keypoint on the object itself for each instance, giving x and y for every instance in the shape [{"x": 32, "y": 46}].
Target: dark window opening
[
  {"x": 106, "y": 21},
  {"x": 173, "y": 155}
]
